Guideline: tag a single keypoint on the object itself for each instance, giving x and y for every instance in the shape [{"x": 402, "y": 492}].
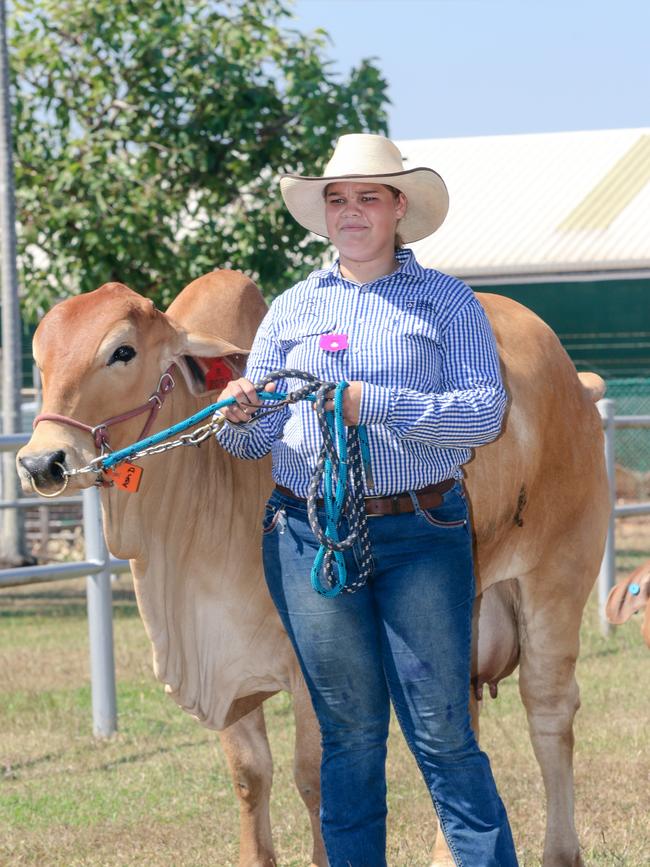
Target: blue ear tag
[{"x": 634, "y": 589}]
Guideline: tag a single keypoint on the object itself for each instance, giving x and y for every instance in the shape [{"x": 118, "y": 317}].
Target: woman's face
[{"x": 362, "y": 219}]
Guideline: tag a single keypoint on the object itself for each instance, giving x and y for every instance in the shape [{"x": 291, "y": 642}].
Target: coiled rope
[{"x": 343, "y": 458}]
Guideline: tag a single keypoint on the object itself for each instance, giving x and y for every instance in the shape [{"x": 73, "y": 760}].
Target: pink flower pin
[{"x": 333, "y": 342}]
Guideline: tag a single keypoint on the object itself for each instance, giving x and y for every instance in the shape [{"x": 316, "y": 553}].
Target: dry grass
[{"x": 158, "y": 793}]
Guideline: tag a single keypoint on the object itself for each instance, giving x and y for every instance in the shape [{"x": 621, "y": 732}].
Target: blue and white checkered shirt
[{"x": 421, "y": 344}]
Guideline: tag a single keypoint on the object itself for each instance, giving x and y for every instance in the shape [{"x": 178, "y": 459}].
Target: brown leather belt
[{"x": 397, "y": 504}]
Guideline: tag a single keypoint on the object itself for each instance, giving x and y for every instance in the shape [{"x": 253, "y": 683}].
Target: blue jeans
[{"x": 405, "y": 637}]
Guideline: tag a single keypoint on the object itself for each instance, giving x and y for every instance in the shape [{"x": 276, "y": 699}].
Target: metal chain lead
[{"x": 192, "y": 439}]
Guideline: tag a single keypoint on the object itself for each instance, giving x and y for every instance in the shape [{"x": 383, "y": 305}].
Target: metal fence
[
  {"x": 99, "y": 566},
  {"x": 612, "y": 423},
  {"x": 632, "y": 398}
]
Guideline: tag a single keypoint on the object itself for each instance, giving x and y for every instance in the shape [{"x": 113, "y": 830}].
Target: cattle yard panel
[
  {"x": 99, "y": 566},
  {"x": 632, "y": 398},
  {"x": 607, "y": 574},
  {"x": 55, "y": 523}
]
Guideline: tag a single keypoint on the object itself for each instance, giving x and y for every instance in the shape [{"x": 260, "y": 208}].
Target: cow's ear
[
  {"x": 208, "y": 363},
  {"x": 630, "y": 595}
]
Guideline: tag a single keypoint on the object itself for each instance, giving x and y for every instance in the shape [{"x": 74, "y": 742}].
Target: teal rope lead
[
  {"x": 334, "y": 501},
  {"x": 114, "y": 458}
]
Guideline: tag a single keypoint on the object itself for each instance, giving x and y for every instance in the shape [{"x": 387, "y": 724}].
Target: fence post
[
  {"x": 607, "y": 574},
  {"x": 100, "y": 621}
]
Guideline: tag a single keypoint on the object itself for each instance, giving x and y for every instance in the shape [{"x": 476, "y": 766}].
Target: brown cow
[
  {"x": 538, "y": 495},
  {"x": 630, "y": 595}
]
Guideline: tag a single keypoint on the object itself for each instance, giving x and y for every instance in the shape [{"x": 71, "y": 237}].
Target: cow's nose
[{"x": 45, "y": 469}]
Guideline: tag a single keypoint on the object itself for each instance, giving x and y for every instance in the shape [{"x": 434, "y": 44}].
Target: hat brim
[{"x": 428, "y": 200}]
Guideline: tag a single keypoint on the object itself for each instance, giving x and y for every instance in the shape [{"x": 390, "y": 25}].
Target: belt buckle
[{"x": 374, "y": 497}]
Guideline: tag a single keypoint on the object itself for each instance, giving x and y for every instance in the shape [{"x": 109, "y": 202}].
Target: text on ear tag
[
  {"x": 218, "y": 374},
  {"x": 125, "y": 476}
]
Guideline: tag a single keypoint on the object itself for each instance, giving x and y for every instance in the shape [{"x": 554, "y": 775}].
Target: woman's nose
[{"x": 351, "y": 208}]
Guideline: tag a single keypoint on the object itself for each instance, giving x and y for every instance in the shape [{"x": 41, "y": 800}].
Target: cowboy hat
[{"x": 356, "y": 158}]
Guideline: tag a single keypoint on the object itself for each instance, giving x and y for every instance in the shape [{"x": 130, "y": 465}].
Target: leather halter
[{"x": 99, "y": 432}]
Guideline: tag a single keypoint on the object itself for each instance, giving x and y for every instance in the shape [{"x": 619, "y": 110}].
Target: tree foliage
[{"x": 150, "y": 136}]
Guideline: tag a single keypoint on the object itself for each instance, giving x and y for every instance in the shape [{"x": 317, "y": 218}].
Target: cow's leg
[
  {"x": 551, "y": 610},
  {"x": 249, "y": 758},
  {"x": 307, "y": 767}
]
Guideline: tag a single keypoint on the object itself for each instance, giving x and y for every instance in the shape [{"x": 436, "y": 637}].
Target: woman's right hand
[{"x": 247, "y": 401}]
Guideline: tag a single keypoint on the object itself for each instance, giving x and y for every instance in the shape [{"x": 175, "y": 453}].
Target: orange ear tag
[{"x": 125, "y": 476}]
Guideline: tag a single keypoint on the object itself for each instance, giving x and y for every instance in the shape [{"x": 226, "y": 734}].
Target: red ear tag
[
  {"x": 125, "y": 476},
  {"x": 218, "y": 374}
]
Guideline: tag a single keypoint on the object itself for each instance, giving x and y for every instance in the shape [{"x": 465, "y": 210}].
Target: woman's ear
[{"x": 401, "y": 205}]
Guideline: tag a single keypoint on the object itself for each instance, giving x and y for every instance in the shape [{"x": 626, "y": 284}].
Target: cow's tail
[{"x": 593, "y": 384}]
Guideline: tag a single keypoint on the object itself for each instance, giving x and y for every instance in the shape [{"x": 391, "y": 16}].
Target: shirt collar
[{"x": 408, "y": 264}]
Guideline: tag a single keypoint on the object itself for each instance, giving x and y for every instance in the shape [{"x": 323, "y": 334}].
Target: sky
[{"x": 491, "y": 67}]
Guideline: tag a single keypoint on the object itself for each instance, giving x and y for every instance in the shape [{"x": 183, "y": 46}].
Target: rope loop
[{"x": 340, "y": 468}]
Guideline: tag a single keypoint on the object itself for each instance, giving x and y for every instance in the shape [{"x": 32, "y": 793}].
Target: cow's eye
[{"x": 122, "y": 353}]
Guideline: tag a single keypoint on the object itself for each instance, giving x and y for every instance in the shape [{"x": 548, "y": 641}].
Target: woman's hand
[
  {"x": 351, "y": 402},
  {"x": 247, "y": 401}
]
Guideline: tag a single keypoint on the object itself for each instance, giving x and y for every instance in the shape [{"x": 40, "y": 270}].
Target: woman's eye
[{"x": 122, "y": 353}]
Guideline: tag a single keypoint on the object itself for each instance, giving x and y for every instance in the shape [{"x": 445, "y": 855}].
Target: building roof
[{"x": 540, "y": 206}]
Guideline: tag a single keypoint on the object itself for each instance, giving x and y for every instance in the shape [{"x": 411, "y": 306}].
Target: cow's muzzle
[{"x": 45, "y": 472}]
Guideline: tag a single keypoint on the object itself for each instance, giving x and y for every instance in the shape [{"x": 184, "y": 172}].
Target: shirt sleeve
[
  {"x": 254, "y": 439},
  {"x": 468, "y": 409}
]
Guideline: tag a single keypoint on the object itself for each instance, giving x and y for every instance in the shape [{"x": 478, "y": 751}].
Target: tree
[{"x": 150, "y": 137}]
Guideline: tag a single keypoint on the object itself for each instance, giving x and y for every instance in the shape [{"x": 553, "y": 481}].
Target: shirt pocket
[
  {"x": 413, "y": 344},
  {"x": 414, "y": 318},
  {"x": 302, "y": 325}
]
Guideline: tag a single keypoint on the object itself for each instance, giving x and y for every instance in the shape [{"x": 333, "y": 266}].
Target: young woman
[{"x": 423, "y": 373}]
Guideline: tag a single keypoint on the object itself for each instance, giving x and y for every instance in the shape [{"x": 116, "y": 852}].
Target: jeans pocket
[
  {"x": 274, "y": 518},
  {"x": 430, "y": 517},
  {"x": 451, "y": 513}
]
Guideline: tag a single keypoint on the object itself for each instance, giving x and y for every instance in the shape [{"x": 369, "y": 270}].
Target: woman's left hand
[{"x": 351, "y": 402}]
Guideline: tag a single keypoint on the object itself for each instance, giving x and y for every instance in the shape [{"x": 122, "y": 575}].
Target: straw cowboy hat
[{"x": 359, "y": 157}]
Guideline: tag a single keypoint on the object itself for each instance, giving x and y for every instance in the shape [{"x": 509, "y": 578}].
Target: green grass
[{"x": 158, "y": 792}]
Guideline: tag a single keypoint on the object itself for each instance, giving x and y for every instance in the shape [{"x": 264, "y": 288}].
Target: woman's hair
[{"x": 399, "y": 243}]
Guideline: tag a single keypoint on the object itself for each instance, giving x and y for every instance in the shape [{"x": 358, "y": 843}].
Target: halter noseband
[{"x": 99, "y": 432}]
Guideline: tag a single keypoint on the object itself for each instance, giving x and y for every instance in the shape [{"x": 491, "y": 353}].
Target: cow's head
[{"x": 102, "y": 354}]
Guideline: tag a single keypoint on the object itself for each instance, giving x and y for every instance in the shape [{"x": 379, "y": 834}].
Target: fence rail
[{"x": 99, "y": 566}]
